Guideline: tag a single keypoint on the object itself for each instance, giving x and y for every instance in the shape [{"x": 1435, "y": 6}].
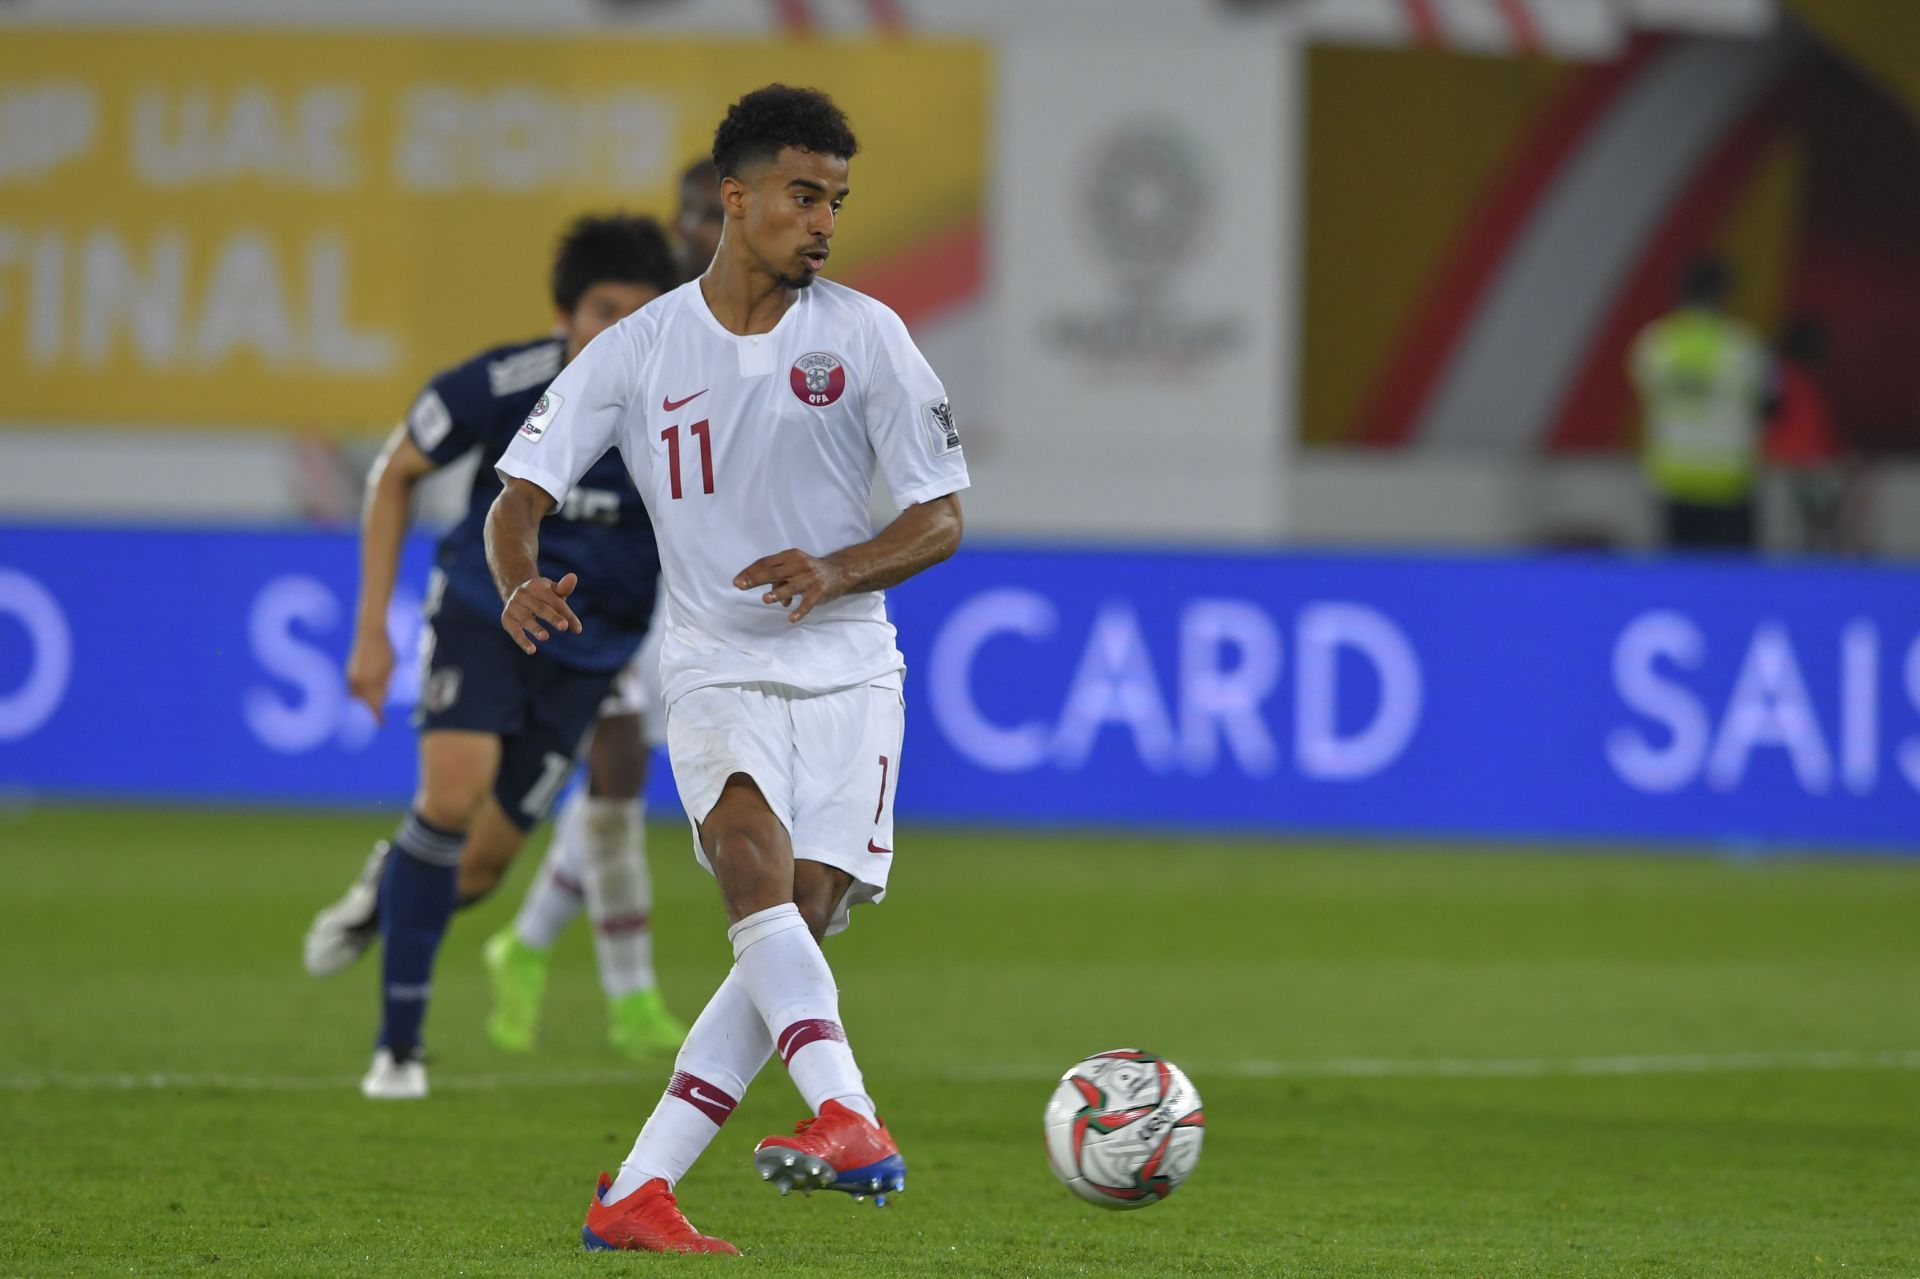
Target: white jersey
[{"x": 744, "y": 447}]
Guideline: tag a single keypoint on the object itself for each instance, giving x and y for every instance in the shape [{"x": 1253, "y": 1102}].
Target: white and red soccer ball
[{"x": 1123, "y": 1128}]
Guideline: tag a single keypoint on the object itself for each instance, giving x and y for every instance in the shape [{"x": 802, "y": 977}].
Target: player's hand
[
  {"x": 794, "y": 574},
  {"x": 369, "y": 669},
  {"x": 537, "y": 604}
]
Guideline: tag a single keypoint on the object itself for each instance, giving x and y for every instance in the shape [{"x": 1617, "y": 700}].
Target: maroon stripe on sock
[
  {"x": 702, "y": 1096},
  {"x": 568, "y": 883},
  {"x": 802, "y": 1033},
  {"x": 620, "y": 925}
]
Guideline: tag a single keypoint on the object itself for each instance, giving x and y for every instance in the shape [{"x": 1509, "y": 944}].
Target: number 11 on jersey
[{"x": 699, "y": 430}]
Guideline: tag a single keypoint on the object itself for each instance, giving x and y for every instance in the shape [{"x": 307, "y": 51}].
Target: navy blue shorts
[{"x": 478, "y": 680}]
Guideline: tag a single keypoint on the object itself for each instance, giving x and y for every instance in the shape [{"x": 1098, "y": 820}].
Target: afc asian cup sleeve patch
[
  {"x": 938, "y": 415},
  {"x": 542, "y": 416}
]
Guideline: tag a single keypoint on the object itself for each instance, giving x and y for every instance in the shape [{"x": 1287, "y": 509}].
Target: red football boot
[
  {"x": 838, "y": 1150},
  {"x": 648, "y": 1220}
]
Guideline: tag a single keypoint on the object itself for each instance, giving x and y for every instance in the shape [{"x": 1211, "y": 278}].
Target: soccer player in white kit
[{"x": 753, "y": 407}]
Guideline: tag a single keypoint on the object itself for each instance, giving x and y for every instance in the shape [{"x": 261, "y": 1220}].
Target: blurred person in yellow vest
[{"x": 1703, "y": 379}]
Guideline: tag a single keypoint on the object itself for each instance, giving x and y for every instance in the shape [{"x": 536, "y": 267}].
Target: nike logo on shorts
[
  {"x": 671, "y": 405},
  {"x": 875, "y": 848}
]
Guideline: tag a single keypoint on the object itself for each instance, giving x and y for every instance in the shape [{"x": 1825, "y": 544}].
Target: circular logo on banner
[
  {"x": 818, "y": 379},
  {"x": 1146, "y": 196}
]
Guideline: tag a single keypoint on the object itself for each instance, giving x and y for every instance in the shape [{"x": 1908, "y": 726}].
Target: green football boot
[
  {"x": 519, "y": 974},
  {"x": 639, "y": 1025}
]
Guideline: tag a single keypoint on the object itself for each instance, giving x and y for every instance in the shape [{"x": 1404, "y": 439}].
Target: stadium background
[
  {"x": 234, "y": 243},
  {"x": 1310, "y": 700}
]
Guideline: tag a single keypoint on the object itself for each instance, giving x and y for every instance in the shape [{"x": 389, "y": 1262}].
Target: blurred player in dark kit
[{"x": 499, "y": 732}]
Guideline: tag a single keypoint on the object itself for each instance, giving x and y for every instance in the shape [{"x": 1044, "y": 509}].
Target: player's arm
[
  {"x": 533, "y": 603},
  {"x": 910, "y": 425},
  {"x": 384, "y": 518},
  {"x": 919, "y": 537},
  {"x": 575, "y": 422}
]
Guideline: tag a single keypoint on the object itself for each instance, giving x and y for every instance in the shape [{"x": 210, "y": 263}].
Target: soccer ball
[{"x": 1123, "y": 1129}]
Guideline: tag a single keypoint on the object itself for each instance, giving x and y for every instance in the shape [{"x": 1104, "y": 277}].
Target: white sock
[
  {"x": 724, "y": 1051},
  {"x": 793, "y": 988},
  {"x": 613, "y": 861},
  {"x": 557, "y": 892}
]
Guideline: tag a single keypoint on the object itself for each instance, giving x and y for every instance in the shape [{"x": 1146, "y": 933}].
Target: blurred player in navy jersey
[
  {"x": 597, "y": 860},
  {"x": 499, "y": 732}
]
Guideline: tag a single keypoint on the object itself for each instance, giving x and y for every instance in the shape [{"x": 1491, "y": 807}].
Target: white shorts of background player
[
  {"x": 636, "y": 689},
  {"x": 828, "y": 765}
]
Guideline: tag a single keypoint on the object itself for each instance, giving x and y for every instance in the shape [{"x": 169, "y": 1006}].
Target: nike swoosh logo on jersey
[
  {"x": 875, "y": 848},
  {"x": 670, "y": 405}
]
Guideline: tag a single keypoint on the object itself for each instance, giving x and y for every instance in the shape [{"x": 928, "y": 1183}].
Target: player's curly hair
[
  {"x": 614, "y": 246},
  {"x": 780, "y": 115}
]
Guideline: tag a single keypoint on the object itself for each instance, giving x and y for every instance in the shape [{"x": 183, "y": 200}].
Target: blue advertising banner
[{"x": 1525, "y": 696}]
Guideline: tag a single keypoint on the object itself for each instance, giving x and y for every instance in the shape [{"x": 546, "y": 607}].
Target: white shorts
[
  {"x": 827, "y": 763},
  {"x": 636, "y": 689}
]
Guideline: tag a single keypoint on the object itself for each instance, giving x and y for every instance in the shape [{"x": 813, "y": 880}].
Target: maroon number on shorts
[{"x": 881, "y": 806}]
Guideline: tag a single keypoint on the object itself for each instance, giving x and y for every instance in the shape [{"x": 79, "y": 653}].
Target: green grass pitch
[{"x": 1445, "y": 1062}]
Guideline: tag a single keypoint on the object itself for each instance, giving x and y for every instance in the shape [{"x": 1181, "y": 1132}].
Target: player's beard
[
  {"x": 804, "y": 278},
  {"x": 789, "y": 279}
]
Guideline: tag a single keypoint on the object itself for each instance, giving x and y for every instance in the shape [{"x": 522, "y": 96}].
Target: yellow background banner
[{"x": 296, "y": 229}]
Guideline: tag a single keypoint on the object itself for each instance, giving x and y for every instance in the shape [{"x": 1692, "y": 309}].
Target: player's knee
[
  {"x": 817, "y": 893},
  {"x": 741, "y": 829},
  {"x": 448, "y": 807},
  {"x": 456, "y": 770},
  {"x": 818, "y": 916},
  {"x": 617, "y": 762},
  {"x": 748, "y": 850},
  {"x": 741, "y": 849},
  {"x": 755, "y": 873}
]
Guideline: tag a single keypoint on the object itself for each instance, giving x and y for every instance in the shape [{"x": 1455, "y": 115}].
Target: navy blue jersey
[{"x": 601, "y": 532}]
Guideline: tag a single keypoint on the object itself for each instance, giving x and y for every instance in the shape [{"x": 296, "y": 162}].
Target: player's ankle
[{"x": 861, "y": 1105}]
